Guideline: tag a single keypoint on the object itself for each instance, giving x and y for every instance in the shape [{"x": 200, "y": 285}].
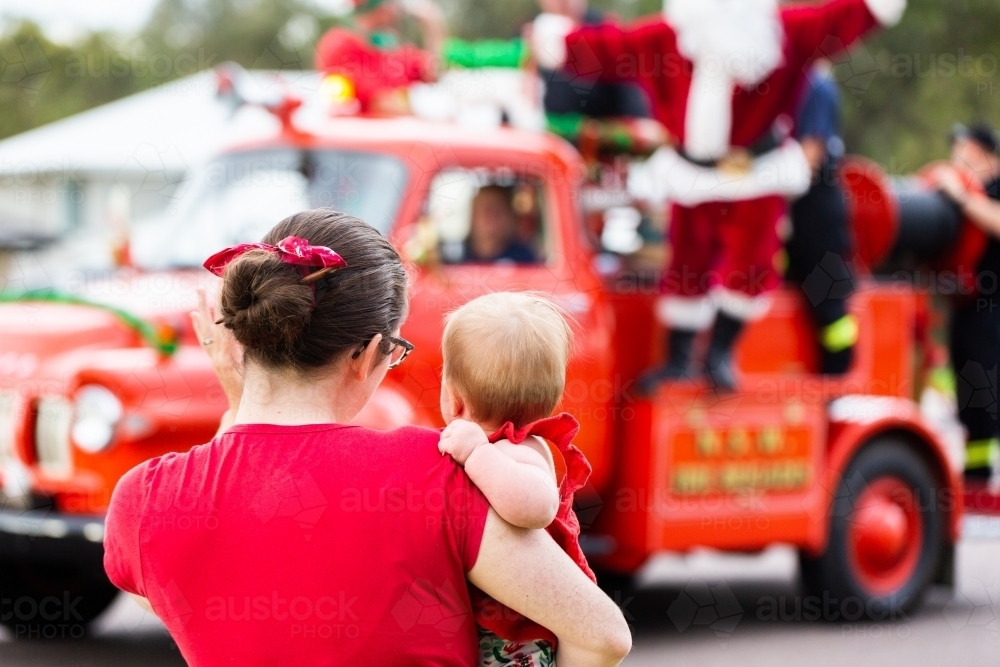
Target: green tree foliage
[
  {"x": 902, "y": 89},
  {"x": 41, "y": 82},
  {"x": 939, "y": 66},
  {"x": 262, "y": 34}
]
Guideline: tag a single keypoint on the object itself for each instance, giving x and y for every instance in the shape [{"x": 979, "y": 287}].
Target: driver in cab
[{"x": 494, "y": 230}]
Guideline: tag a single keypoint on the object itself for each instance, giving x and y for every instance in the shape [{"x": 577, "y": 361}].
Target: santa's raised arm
[{"x": 720, "y": 74}]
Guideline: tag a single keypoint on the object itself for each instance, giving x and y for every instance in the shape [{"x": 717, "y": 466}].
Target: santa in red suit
[{"x": 720, "y": 75}]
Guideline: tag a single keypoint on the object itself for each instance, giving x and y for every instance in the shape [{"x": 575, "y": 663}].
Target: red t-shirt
[{"x": 303, "y": 545}]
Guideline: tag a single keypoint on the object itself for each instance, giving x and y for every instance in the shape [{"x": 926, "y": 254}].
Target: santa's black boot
[
  {"x": 679, "y": 344},
  {"x": 719, "y": 359}
]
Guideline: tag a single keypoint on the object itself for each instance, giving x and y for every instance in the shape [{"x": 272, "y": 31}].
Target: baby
[{"x": 505, "y": 360}]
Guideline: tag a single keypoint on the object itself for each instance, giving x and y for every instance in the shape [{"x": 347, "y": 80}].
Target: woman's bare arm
[
  {"x": 980, "y": 209},
  {"x": 527, "y": 571}
]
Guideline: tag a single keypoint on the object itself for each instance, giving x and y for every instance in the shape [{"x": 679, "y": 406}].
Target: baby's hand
[{"x": 460, "y": 439}]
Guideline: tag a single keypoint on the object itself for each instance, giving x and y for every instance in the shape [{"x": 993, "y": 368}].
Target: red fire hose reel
[{"x": 895, "y": 216}]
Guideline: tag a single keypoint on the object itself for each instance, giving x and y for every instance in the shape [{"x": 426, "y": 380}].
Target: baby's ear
[
  {"x": 459, "y": 407},
  {"x": 456, "y": 406}
]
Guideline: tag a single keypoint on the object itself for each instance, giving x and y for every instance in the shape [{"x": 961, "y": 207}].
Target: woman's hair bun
[
  {"x": 282, "y": 323},
  {"x": 264, "y": 302}
]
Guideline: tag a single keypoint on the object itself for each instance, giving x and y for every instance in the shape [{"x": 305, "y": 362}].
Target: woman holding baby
[{"x": 310, "y": 541}]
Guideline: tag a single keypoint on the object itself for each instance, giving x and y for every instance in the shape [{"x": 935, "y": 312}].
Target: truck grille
[
  {"x": 8, "y": 401},
  {"x": 52, "y": 436}
]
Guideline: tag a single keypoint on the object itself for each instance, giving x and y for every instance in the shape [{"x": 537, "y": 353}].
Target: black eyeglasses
[{"x": 397, "y": 354}]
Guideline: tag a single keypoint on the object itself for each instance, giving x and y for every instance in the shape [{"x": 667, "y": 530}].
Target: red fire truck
[{"x": 844, "y": 469}]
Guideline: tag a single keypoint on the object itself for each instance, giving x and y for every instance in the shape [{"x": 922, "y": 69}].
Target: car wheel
[
  {"x": 886, "y": 536},
  {"x": 612, "y": 582},
  {"x": 50, "y": 600}
]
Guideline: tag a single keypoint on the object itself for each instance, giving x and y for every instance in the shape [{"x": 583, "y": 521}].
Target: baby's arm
[{"x": 519, "y": 481}]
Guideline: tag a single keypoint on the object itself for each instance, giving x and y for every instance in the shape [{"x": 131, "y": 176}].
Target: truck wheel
[
  {"x": 52, "y": 601},
  {"x": 613, "y": 583},
  {"x": 885, "y": 539}
]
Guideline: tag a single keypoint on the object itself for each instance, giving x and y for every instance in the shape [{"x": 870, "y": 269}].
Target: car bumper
[{"x": 50, "y": 536}]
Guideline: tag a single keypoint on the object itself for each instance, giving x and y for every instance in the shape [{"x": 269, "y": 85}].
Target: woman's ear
[{"x": 364, "y": 364}]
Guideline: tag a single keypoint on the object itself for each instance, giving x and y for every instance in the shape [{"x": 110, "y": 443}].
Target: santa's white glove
[
  {"x": 548, "y": 39},
  {"x": 888, "y": 12},
  {"x": 660, "y": 178},
  {"x": 667, "y": 176}
]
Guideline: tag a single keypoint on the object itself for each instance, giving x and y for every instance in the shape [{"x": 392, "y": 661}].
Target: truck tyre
[
  {"x": 885, "y": 536},
  {"x": 52, "y": 601},
  {"x": 615, "y": 583}
]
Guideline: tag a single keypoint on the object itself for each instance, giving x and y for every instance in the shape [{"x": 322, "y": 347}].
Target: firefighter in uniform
[
  {"x": 820, "y": 246},
  {"x": 975, "y": 322}
]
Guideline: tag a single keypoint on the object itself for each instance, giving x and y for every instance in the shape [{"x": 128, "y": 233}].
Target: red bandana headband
[{"x": 292, "y": 250}]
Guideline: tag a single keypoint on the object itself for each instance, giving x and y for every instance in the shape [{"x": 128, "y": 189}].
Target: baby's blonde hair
[{"x": 505, "y": 355}]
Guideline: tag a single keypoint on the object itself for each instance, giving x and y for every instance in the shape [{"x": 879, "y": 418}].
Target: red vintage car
[{"x": 846, "y": 469}]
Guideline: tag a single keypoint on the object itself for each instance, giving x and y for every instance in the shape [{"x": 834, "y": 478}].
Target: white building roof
[{"x": 171, "y": 128}]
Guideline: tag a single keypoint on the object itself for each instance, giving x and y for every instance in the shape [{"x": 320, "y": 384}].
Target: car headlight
[
  {"x": 8, "y": 405},
  {"x": 97, "y": 412}
]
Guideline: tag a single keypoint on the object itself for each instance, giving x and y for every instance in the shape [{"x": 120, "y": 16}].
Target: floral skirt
[{"x": 494, "y": 651}]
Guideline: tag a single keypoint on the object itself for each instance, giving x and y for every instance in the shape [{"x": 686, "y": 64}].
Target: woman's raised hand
[{"x": 223, "y": 349}]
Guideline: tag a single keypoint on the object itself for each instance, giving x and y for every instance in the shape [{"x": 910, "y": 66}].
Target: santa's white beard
[{"x": 745, "y": 37}]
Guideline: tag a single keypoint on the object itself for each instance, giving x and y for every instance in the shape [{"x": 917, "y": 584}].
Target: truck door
[{"x": 486, "y": 229}]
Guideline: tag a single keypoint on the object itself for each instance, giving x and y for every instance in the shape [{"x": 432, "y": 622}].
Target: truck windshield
[{"x": 239, "y": 197}]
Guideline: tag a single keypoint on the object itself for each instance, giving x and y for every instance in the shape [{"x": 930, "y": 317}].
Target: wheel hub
[
  {"x": 885, "y": 534},
  {"x": 881, "y": 532}
]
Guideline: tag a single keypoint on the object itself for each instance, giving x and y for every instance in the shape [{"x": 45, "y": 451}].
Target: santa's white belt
[{"x": 667, "y": 176}]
